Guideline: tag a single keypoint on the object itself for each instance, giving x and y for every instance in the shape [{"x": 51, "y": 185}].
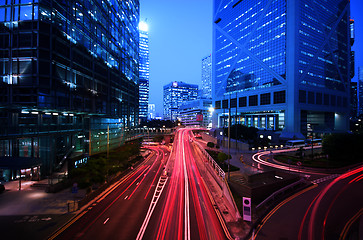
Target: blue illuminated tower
[
  {"x": 282, "y": 65},
  {"x": 175, "y": 94},
  {"x": 143, "y": 71},
  {"x": 207, "y": 77}
]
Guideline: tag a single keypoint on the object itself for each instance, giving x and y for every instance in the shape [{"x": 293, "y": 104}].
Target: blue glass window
[{"x": 26, "y": 12}]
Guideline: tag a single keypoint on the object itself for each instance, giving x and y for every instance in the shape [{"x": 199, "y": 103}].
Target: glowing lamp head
[{"x": 143, "y": 26}]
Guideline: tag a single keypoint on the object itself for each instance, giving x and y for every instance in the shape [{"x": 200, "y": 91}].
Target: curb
[
  {"x": 219, "y": 215},
  {"x": 79, "y": 213}
]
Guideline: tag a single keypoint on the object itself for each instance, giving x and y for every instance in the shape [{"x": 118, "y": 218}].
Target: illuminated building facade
[
  {"x": 206, "y": 77},
  {"x": 360, "y": 90},
  {"x": 175, "y": 94},
  {"x": 282, "y": 65},
  {"x": 196, "y": 113},
  {"x": 69, "y": 75},
  {"x": 143, "y": 71}
]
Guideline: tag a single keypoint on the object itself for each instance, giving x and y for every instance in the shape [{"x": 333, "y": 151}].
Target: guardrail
[
  {"x": 215, "y": 165},
  {"x": 282, "y": 190}
]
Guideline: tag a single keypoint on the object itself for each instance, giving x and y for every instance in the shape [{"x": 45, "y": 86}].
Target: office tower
[
  {"x": 282, "y": 65},
  {"x": 196, "y": 113},
  {"x": 69, "y": 74},
  {"x": 176, "y": 93},
  {"x": 207, "y": 77},
  {"x": 353, "y": 99},
  {"x": 360, "y": 90},
  {"x": 151, "y": 112},
  {"x": 144, "y": 71}
]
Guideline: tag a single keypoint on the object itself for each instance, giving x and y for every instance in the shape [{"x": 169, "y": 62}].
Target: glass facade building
[
  {"x": 360, "y": 90},
  {"x": 175, "y": 94},
  {"x": 143, "y": 72},
  {"x": 196, "y": 113},
  {"x": 207, "y": 77},
  {"x": 277, "y": 63},
  {"x": 69, "y": 75}
]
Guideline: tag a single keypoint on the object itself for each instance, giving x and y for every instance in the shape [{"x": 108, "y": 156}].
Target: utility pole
[{"x": 229, "y": 133}]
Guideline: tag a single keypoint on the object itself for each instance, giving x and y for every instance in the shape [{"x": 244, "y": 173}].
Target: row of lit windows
[
  {"x": 322, "y": 99},
  {"x": 265, "y": 99}
]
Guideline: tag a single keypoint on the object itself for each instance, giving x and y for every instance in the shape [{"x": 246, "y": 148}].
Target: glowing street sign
[{"x": 246, "y": 209}]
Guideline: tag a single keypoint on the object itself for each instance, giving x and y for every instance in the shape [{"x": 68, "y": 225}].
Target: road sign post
[{"x": 247, "y": 209}]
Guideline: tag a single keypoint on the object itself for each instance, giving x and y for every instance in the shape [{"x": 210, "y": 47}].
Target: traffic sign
[{"x": 246, "y": 209}]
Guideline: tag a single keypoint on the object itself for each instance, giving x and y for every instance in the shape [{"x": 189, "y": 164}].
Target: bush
[{"x": 210, "y": 144}]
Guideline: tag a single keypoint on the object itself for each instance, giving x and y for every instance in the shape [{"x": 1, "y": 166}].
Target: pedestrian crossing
[{"x": 323, "y": 179}]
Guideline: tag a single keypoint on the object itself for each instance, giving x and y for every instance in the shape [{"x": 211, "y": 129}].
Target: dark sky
[{"x": 180, "y": 35}]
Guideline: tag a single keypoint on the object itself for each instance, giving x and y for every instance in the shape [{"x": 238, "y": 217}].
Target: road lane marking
[
  {"x": 126, "y": 197},
  {"x": 106, "y": 221},
  {"x": 154, "y": 200}
]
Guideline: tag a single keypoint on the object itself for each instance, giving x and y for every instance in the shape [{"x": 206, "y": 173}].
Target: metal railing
[{"x": 215, "y": 165}]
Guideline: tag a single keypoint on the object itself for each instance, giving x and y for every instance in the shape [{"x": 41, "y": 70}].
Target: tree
[
  {"x": 210, "y": 144},
  {"x": 222, "y": 157}
]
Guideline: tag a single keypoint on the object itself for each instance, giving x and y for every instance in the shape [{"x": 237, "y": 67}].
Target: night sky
[{"x": 180, "y": 35}]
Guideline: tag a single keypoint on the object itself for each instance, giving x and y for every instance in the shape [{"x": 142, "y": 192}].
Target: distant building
[
  {"x": 353, "y": 99},
  {"x": 68, "y": 76},
  {"x": 360, "y": 90},
  {"x": 151, "y": 113},
  {"x": 143, "y": 71},
  {"x": 282, "y": 65},
  {"x": 176, "y": 93},
  {"x": 206, "y": 91},
  {"x": 196, "y": 113}
]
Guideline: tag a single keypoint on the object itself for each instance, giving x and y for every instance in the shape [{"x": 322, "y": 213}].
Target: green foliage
[
  {"x": 222, "y": 157},
  {"x": 98, "y": 167},
  {"x": 343, "y": 147},
  {"x": 210, "y": 144}
]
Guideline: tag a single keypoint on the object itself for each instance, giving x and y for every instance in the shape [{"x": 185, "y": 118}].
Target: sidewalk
[{"x": 34, "y": 200}]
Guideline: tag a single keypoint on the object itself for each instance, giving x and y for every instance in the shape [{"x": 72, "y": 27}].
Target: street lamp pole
[{"x": 229, "y": 134}]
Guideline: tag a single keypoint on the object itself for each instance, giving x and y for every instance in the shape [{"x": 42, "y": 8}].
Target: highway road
[
  {"x": 120, "y": 214},
  {"x": 164, "y": 198},
  {"x": 326, "y": 210},
  {"x": 187, "y": 210}
]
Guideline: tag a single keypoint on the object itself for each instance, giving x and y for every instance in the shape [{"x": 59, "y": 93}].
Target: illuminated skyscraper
[
  {"x": 144, "y": 71},
  {"x": 207, "y": 77},
  {"x": 360, "y": 90},
  {"x": 282, "y": 65},
  {"x": 175, "y": 94},
  {"x": 69, "y": 75}
]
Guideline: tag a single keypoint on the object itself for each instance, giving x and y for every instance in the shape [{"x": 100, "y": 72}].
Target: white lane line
[
  {"x": 186, "y": 196},
  {"x": 106, "y": 221},
  {"x": 126, "y": 197},
  {"x": 157, "y": 193}
]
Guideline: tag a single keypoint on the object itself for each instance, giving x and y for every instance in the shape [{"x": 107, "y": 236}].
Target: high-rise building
[
  {"x": 69, "y": 75},
  {"x": 196, "y": 113},
  {"x": 282, "y": 65},
  {"x": 144, "y": 71},
  {"x": 176, "y": 93},
  {"x": 353, "y": 99},
  {"x": 151, "y": 112},
  {"x": 360, "y": 90},
  {"x": 207, "y": 77}
]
